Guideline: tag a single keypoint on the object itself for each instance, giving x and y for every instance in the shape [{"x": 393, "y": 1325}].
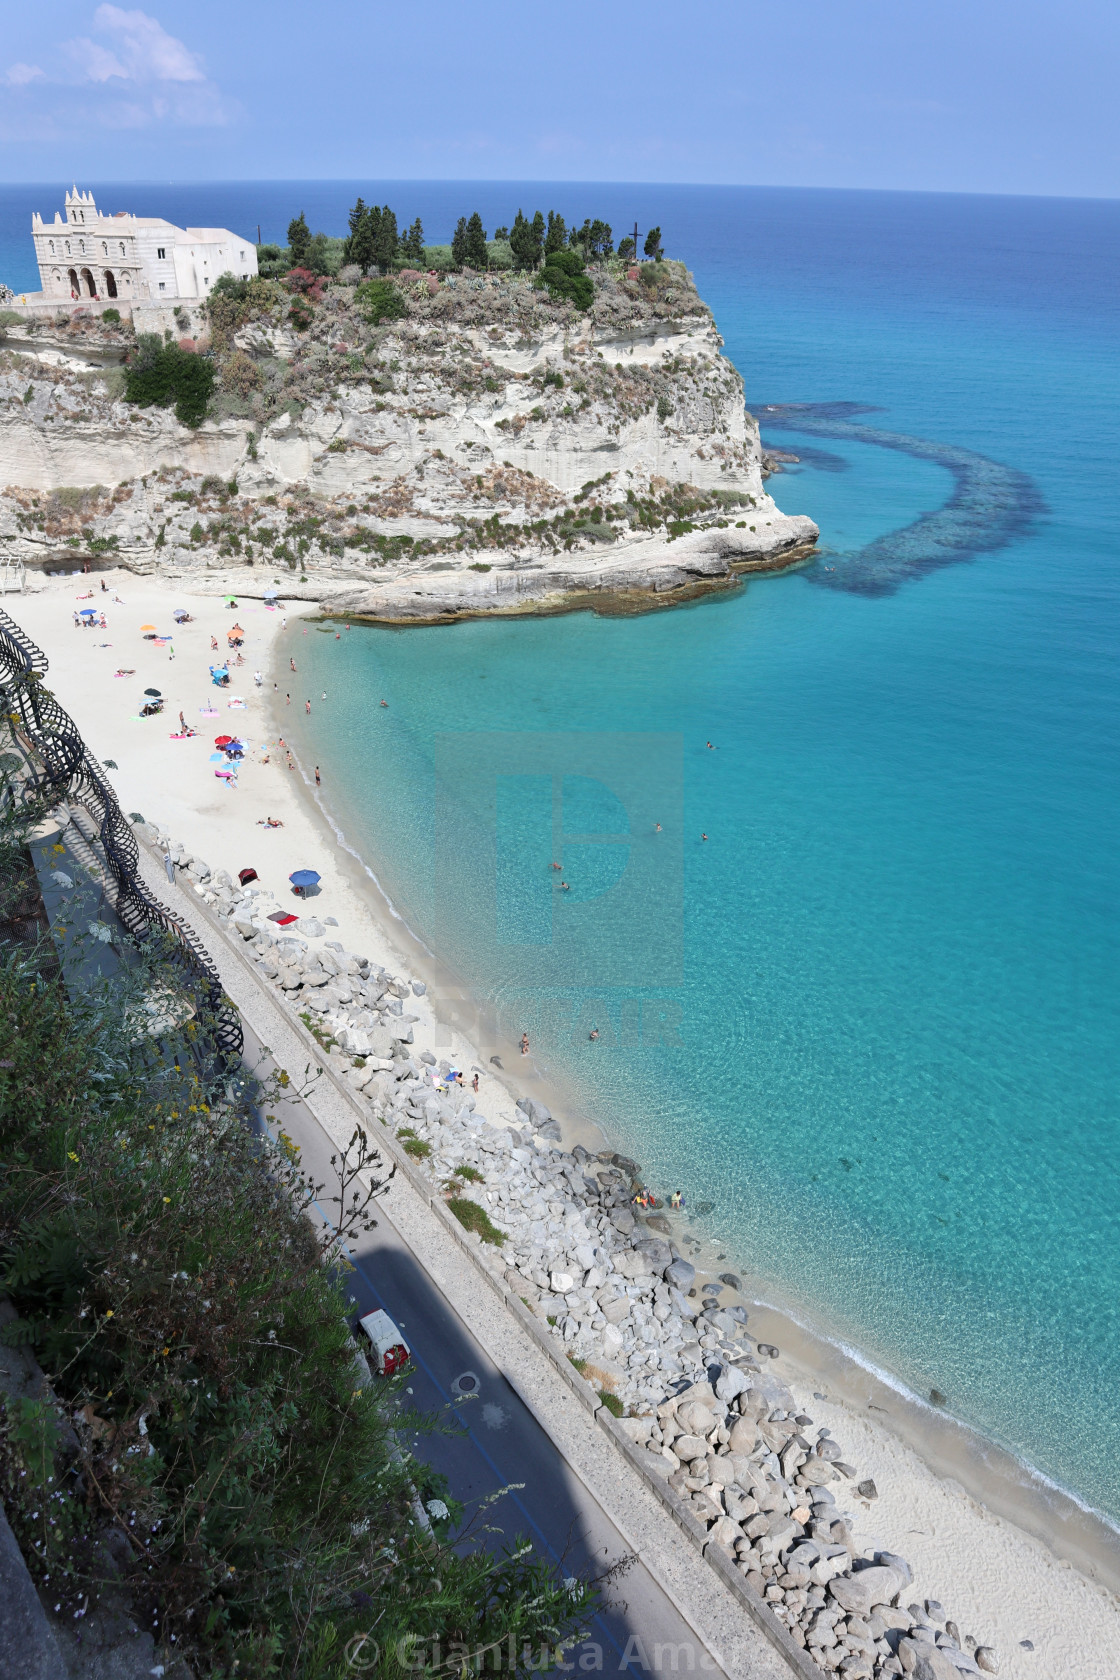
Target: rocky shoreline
[{"x": 670, "y": 1350}]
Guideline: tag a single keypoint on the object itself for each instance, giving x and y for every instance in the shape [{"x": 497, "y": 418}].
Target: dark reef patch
[{"x": 990, "y": 506}]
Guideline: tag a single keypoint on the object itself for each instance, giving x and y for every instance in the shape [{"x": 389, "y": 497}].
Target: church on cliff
[{"x": 138, "y": 259}]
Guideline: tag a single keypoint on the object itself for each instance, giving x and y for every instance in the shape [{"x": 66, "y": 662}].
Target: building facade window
[
  {"x": 160, "y": 252},
  {"x": 162, "y": 287}
]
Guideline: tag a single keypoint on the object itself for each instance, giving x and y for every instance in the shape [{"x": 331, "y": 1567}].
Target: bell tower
[{"x": 80, "y": 208}]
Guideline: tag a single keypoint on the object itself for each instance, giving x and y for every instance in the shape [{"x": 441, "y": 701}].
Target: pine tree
[
  {"x": 538, "y": 237},
  {"x": 459, "y": 243},
  {"x": 299, "y": 241},
  {"x": 387, "y": 241},
  {"x": 502, "y": 233},
  {"x": 626, "y": 248},
  {"x": 356, "y": 217},
  {"x": 557, "y": 236},
  {"x": 412, "y": 245},
  {"x": 653, "y": 243},
  {"x": 477, "y": 255}
]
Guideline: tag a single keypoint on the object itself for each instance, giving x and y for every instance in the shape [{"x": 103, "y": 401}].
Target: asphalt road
[{"x": 494, "y": 1447}]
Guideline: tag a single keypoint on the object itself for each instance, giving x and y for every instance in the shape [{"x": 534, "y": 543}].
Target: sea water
[{"x": 872, "y": 1019}]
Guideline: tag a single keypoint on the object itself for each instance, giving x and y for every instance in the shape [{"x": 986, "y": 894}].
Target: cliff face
[{"x": 490, "y": 450}]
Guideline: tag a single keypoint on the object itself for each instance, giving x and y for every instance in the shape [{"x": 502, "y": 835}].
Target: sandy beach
[{"x": 1001, "y": 1584}]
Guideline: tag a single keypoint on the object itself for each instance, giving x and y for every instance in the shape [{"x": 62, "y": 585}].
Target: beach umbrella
[
  {"x": 154, "y": 693},
  {"x": 179, "y": 614},
  {"x": 88, "y": 612},
  {"x": 304, "y": 878},
  {"x": 222, "y": 740},
  {"x": 146, "y": 627},
  {"x": 271, "y": 594}
]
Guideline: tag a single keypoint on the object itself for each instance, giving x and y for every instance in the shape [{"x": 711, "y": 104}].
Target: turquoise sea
[{"x": 895, "y": 959}]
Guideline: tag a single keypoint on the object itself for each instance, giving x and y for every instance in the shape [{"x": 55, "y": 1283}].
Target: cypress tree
[
  {"x": 412, "y": 245},
  {"x": 459, "y": 243},
  {"x": 557, "y": 236},
  {"x": 526, "y": 239},
  {"x": 356, "y": 217},
  {"x": 299, "y": 241},
  {"x": 477, "y": 255},
  {"x": 387, "y": 241}
]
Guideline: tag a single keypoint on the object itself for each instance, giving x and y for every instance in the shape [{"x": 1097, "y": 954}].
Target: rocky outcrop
[{"x": 490, "y": 451}]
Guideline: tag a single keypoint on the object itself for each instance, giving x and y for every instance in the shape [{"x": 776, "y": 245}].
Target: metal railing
[{"x": 60, "y": 769}]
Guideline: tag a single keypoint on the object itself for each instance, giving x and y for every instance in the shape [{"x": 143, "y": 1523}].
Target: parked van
[{"x": 390, "y": 1350}]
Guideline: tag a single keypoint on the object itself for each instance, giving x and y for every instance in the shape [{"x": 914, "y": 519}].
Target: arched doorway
[
  {"x": 75, "y": 289},
  {"x": 110, "y": 283},
  {"x": 87, "y": 280}
]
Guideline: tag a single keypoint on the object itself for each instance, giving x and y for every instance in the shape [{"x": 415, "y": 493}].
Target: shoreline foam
[{"x": 1062, "y": 1649}]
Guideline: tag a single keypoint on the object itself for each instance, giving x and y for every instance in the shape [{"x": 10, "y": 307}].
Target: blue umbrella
[{"x": 304, "y": 878}]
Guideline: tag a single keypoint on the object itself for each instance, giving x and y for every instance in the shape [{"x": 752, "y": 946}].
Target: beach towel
[{"x": 235, "y": 705}]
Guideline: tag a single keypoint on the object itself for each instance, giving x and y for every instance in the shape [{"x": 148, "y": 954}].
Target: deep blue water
[{"x": 895, "y": 958}]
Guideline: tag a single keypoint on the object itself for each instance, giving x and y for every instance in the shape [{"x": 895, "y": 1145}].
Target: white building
[{"x": 134, "y": 258}]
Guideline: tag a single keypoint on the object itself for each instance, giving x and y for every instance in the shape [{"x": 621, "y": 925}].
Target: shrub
[
  {"x": 380, "y": 300},
  {"x": 564, "y": 278},
  {"x": 479, "y": 566},
  {"x": 160, "y": 375},
  {"x": 241, "y": 375},
  {"x": 439, "y": 257},
  {"x": 611, "y": 1402},
  {"x": 111, "y": 315}
]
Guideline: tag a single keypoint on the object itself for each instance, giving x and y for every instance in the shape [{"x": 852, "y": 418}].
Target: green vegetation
[
  {"x": 112, "y": 316},
  {"x": 205, "y": 1423},
  {"x": 475, "y": 1218},
  {"x": 412, "y": 1145},
  {"x": 564, "y": 277},
  {"x": 380, "y": 300},
  {"x": 162, "y": 374},
  {"x": 611, "y": 1402}
]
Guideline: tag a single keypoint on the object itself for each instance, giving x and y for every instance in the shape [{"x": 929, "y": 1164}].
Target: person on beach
[
  {"x": 292, "y": 663},
  {"x": 323, "y": 697},
  {"x": 676, "y": 1201},
  {"x": 317, "y": 781},
  {"x": 384, "y": 702},
  {"x": 287, "y": 699},
  {"x": 307, "y": 707},
  {"x": 657, "y": 828},
  {"x": 710, "y": 747},
  {"x": 593, "y": 1034},
  {"x": 257, "y": 678},
  {"x": 104, "y": 587},
  {"x": 77, "y": 619},
  {"x": 703, "y": 837},
  {"x": 557, "y": 866},
  {"x": 474, "y": 1081},
  {"x": 214, "y": 643},
  {"x": 182, "y": 723},
  {"x": 524, "y": 1043}
]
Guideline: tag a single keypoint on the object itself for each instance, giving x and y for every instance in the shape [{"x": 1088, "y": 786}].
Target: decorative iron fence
[{"x": 61, "y": 768}]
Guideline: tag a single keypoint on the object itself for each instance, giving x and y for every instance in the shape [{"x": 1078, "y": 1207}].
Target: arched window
[
  {"x": 52, "y": 247},
  {"x": 89, "y": 283},
  {"x": 122, "y": 247},
  {"x": 67, "y": 247},
  {"x": 110, "y": 283},
  {"x": 75, "y": 289},
  {"x": 104, "y": 248}
]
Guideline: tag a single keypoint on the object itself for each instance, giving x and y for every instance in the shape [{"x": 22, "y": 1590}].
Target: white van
[{"x": 391, "y": 1352}]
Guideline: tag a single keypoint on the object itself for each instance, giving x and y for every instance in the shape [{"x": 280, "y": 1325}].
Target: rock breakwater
[{"x": 670, "y": 1349}]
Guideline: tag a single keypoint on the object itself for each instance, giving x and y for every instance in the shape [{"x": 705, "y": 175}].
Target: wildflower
[
  {"x": 70, "y": 1155},
  {"x": 109, "y": 1313},
  {"x": 167, "y": 1198}
]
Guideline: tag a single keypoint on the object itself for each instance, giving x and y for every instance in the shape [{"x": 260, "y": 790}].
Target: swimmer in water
[{"x": 703, "y": 837}]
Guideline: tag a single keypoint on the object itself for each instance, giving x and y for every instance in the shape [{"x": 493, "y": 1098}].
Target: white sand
[{"x": 997, "y": 1582}]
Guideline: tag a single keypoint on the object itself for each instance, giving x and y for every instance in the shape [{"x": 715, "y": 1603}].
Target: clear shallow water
[
  {"x": 896, "y": 968},
  {"x": 898, "y": 983}
]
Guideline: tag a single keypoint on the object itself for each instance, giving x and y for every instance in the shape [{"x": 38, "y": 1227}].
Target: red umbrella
[{"x": 222, "y": 740}]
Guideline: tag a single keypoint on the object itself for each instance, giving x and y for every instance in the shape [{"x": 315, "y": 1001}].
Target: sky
[{"x": 993, "y": 96}]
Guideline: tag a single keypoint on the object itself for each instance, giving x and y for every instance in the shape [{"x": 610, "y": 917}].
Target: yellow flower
[
  {"x": 167, "y": 1198},
  {"x": 71, "y": 1155},
  {"x": 166, "y": 1351},
  {"x": 109, "y": 1313}
]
